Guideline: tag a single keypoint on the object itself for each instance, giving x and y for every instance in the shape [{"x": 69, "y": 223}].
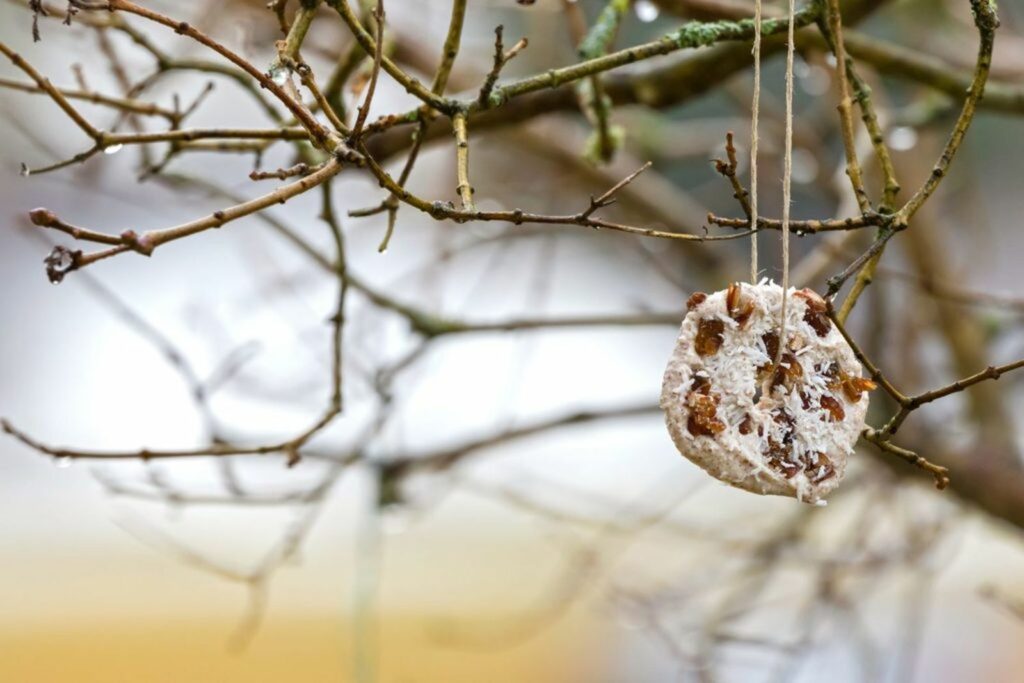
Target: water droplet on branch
[
  {"x": 59, "y": 263},
  {"x": 279, "y": 74}
]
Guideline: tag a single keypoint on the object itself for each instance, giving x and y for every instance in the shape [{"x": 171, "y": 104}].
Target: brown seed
[
  {"x": 818, "y": 321},
  {"x": 792, "y": 365},
  {"x": 778, "y": 456},
  {"x": 788, "y": 372},
  {"x": 732, "y": 297},
  {"x": 771, "y": 343},
  {"x": 779, "y": 453},
  {"x": 701, "y": 385},
  {"x": 739, "y": 310},
  {"x": 830, "y": 371},
  {"x": 742, "y": 315},
  {"x": 781, "y": 416},
  {"x": 787, "y": 468},
  {"x": 833, "y": 407},
  {"x": 853, "y": 387},
  {"x": 703, "y": 396},
  {"x": 698, "y": 425},
  {"x": 812, "y": 298},
  {"x": 703, "y": 420},
  {"x": 813, "y": 468},
  {"x": 747, "y": 425},
  {"x": 695, "y": 300},
  {"x": 709, "y": 336},
  {"x": 816, "y": 314}
]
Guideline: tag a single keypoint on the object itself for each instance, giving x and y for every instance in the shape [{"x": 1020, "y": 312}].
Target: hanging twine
[
  {"x": 755, "y": 108},
  {"x": 787, "y": 175}
]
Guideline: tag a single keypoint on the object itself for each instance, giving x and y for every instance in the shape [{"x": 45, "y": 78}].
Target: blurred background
[{"x": 554, "y": 533}]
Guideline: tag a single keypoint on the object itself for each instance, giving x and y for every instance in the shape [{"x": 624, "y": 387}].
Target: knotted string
[
  {"x": 787, "y": 173},
  {"x": 755, "y": 108},
  {"x": 787, "y": 176}
]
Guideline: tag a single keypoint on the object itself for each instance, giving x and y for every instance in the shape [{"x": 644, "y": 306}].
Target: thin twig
[
  {"x": 873, "y": 372},
  {"x": 450, "y": 50},
  {"x": 728, "y": 169},
  {"x": 147, "y": 242},
  {"x": 373, "y": 47},
  {"x": 501, "y": 58},
  {"x": 55, "y": 94},
  {"x": 299, "y": 169},
  {"x": 802, "y": 227},
  {"x": 465, "y": 188},
  {"x": 122, "y": 103},
  {"x": 986, "y": 20},
  {"x": 835, "y": 33},
  {"x": 378, "y": 58},
  {"x": 941, "y": 474},
  {"x": 307, "y": 120}
]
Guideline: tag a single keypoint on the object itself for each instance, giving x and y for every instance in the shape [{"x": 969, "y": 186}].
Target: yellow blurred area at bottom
[{"x": 283, "y": 650}]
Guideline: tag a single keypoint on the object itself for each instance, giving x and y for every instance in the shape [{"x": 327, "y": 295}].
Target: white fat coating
[{"x": 738, "y": 459}]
